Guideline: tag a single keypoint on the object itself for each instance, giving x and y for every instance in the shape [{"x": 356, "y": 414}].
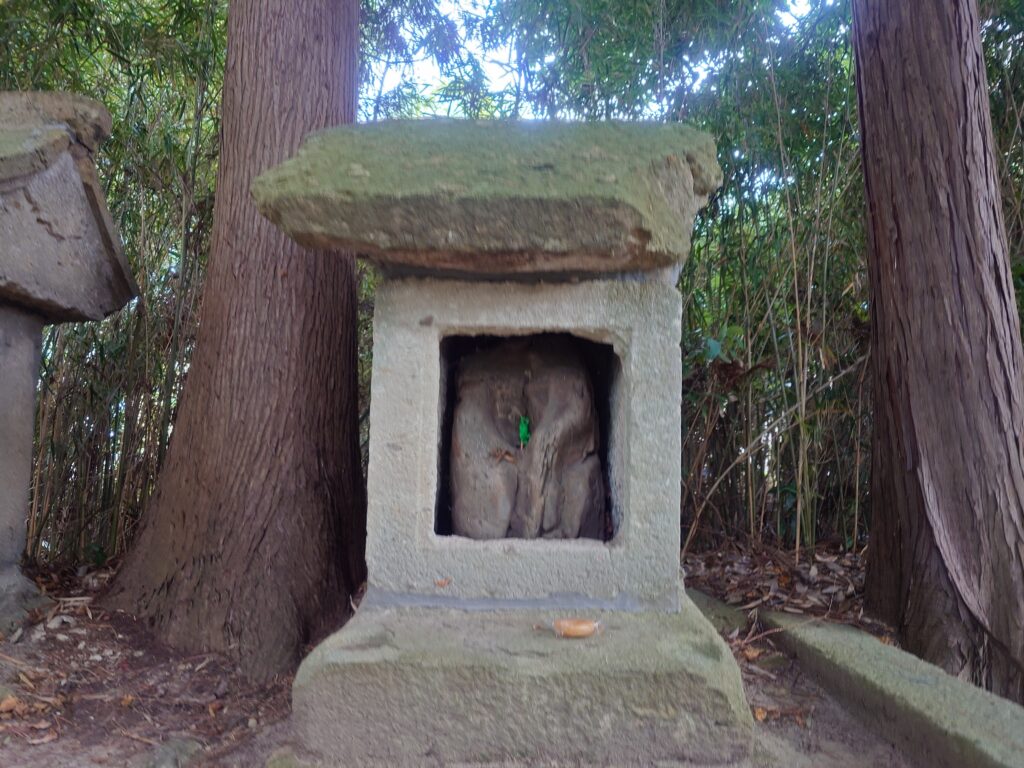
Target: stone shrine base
[{"x": 416, "y": 686}]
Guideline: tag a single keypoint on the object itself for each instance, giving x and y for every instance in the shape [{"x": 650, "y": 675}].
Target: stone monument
[
  {"x": 524, "y": 448},
  {"x": 60, "y": 260}
]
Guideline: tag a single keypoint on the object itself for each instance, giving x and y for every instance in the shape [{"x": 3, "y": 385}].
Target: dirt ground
[
  {"x": 81, "y": 687},
  {"x": 799, "y": 725}
]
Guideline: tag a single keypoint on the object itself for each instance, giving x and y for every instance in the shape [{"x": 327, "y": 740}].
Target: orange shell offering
[{"x": 576, "y": 627}]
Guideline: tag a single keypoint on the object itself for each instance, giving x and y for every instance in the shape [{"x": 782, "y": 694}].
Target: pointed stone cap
[
  {"x": 62, "y": 256},
  {"x": 497, "y": 198}
]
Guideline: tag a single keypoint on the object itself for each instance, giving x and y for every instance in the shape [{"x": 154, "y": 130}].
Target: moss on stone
[
  {"x": 88, "y": 120},
  {"x": 576, "y": 190},
  {"x": 24, "y": 151}
]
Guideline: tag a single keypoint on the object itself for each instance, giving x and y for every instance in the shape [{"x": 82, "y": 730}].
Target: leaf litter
[
  {"x": 827, "y": 584},
  {"x": 93, "y": 678}
]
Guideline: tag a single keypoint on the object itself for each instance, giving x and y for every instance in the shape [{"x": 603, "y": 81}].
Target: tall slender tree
[
  {"x": 947, "y": 535},
  {"x": 254, "y": 537}
]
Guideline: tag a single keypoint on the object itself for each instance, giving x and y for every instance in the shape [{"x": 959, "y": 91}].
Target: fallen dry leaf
[
  {"x": 576, "y": 628},
  {"x": 9, "y": 703},
  {"x": 760, "y": 714},
  {"x": 442, "y": 583},
  {"x": 127, "y": 700}
]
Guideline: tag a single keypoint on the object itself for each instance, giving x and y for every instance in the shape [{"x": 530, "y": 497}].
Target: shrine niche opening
[{"x": 500, "y": 394}]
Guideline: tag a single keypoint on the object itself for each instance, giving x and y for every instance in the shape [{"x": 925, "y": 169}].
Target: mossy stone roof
[{"x": 497, "y": 197}]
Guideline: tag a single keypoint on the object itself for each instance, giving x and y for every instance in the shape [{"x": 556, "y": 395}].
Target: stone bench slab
[{"x": 495, "y": 197}]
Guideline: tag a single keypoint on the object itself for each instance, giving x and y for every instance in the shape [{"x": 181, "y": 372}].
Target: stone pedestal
[
  {"x": 570, "y": 231},
  {"x": 20, "y": 337},
  {"x": 419, "y": 687}
]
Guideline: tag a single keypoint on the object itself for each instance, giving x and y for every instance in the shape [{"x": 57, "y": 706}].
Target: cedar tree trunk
[
  {"x": 947, "y": 535},
  {"x": 254, "y": 537}
]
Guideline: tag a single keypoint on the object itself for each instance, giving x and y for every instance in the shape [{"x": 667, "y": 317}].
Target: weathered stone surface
[
  {"x": 430, "y": 687},
  {"x": 61, "y": 255},
  {"x": 18, "y": 596},
  {"x": 24, "y": 151},
  {"x": 940, "y": 720},
  {"x": 496, "y": 197},
  {"x": 173, "y": 753},
  {"x": 638, "y": 569},
  {"x": 58, "y": 258},
  {"x": 20, "y": 339},
  {"x": 37, "y": 126},
  {"x": 88, "y": 120},
  {"x": 551, "y": 487}
]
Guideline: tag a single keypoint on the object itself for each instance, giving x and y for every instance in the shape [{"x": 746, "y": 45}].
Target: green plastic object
[{"x": 524, "y": 431}]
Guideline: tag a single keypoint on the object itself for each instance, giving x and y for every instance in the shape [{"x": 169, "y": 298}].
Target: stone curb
[
  {"x": 934, "y": 718},
  {"x": 723, "y": 617}
]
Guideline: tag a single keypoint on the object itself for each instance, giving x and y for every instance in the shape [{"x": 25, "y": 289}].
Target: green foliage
[{"x": 416, "y": 63}]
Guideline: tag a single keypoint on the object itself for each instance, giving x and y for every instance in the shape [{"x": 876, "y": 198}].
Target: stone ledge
[
  {"x": 432, "y": 687},
  {"x": 940, "y": 720}
]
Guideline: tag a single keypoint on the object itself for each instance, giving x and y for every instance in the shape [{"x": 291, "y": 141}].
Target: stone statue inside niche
[{"x": 525, "y": 457}]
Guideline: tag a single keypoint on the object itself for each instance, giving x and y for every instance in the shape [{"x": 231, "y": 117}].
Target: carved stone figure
[{"x": 525, "y": 442}]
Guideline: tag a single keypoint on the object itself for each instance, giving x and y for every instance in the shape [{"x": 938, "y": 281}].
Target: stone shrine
[
  {"x": 60, "y": 260},
  {"x": 525, "y": 442}
]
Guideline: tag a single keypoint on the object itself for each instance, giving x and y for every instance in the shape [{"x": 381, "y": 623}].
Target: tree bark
[
  {"x": 947, "y": 528},
  {"x": 254, "y": 537}
]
